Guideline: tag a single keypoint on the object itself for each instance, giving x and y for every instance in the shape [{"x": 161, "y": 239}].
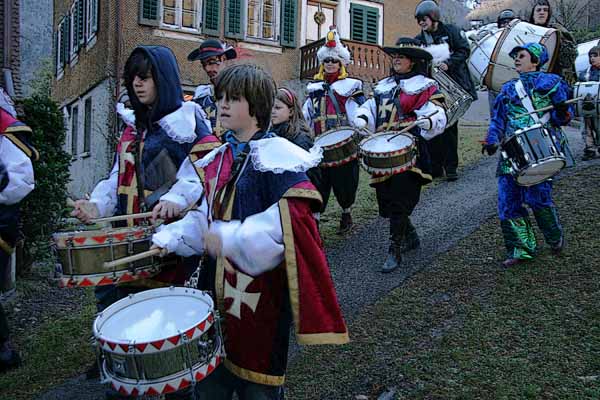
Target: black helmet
[
  {"x": 507, "y": 14},
  {"x": 428, "y": 8}
]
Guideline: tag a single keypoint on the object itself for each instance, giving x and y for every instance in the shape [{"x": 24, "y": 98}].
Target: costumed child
[
  {"x": 531, "y": 91},
  {"x": 408, "y": 95},
  {"x": 256, "y": 218}
]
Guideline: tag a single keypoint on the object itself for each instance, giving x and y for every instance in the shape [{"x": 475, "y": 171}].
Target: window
[
  {"x": 364, "y": 23},
  {"x": 87, "y": 126},
  {"x": 74, "y": 129},
  {"x": 262, "y": 19},
  {"x": 73, "y": 21},
  {"x": 181, "y": 14},
  {"x": 91, "y": 19}
]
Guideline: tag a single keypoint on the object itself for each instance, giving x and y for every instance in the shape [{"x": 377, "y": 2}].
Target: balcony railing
[{"x": 369, "y": 62}]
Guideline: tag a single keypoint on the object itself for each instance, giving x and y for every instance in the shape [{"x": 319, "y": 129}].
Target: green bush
[
  {"x": 583, "y": 36},
  {"x": 42, "y": 209}
]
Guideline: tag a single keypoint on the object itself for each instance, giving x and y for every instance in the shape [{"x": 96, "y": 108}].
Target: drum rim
[
  {"x": 113, "y": 277},
  {"x": 381, "y": 134},
  {"x": 60, "y": 238},
  {"x": 521, "y": 173},
  {"x": 159, "y": 344},
  {"x": 338, "y": 144}
]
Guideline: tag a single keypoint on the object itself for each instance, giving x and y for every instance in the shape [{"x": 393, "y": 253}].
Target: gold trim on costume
[
  {"x": 8, "y": 249},
  {"x": 290, "y": 261},
  {"x": 29, "y": 152},
  {"x": 256, "y": 377},
  {"x": 322, "y": 338},
  {"x": 304, "y": 193},
  {"x": 202, "y": 147}
]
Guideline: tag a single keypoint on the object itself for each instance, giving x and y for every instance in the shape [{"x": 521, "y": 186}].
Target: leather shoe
[
  {"x": 558, "y": 247},
  {"x": 511, "y": 262},
  {"x": 451, "y": 176},
  {"x": 346, "y": 224}
]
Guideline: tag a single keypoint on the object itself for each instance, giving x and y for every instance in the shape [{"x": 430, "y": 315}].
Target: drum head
[
  {"x": 380, "y": 144},
  {"x": 153, "y": 315},
  {"x": 331, "y": 138},
  {"x": 540, "y": 171}
]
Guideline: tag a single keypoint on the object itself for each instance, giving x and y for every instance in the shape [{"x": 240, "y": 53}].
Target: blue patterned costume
[{"x": 544, "y": 89}]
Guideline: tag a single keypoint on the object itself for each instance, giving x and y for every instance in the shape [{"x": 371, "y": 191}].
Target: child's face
[
  {"x": 235, "y": 114},
  {"x": 595, "y": 60},
  {"x": 145, "y": 89},
  {"x": 426, "y": 23},
  {"x": 523, "y": 62},
  {"x": 280, "y": 113}
]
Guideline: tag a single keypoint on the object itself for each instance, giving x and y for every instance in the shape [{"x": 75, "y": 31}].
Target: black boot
[
  {"x": 411, "y": 240},
  {"x": 346, "y": 223},
  {"x": 9, "y": 358}
]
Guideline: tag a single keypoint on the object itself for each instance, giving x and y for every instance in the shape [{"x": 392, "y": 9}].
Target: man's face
[
  {"x": 426, "y": 23},
  {"x": 540, "y": 14},
  {"x": 212, "y": 66},
  {"x": 401, "y": 63},
  {"x": 523, "y": 62},
  {"x": 145, "y": 89},
  {"x": 595, "y": 60}
]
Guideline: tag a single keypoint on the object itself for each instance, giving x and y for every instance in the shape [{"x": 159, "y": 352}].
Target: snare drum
[
  {"x": 158, "y": 341},
  {"x": 82, "y": 254},
  {"x": 591, "y": 93},
  {"x": 502, "y": 66},
  {"x": 456, "y": 99},
  {"x": 533, "y": 155},
  {"x": 339, "y": 147},
  {"x": 381, "y": 157}
]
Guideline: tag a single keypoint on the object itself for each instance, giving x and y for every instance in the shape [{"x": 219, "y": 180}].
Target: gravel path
[{"x": 446, "y": 213}]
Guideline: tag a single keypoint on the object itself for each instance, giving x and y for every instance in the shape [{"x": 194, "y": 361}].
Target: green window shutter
[
  {"x": 95, "y": 11},
  {"x": 234, "y": 18},
  {"x": 81, "y": 22},
  {"x": 66, "y": 43},
  {"x": 288, "y": 23},
  {"x": 211, "y": 17},
  {"x": 148, "y": 14},
  {"x": 364, "y": 23},
  {"x": 76, "y": 17}
]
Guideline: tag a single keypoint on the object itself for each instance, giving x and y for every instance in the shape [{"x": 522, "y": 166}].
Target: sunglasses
[{"x": 330, "y": 60}]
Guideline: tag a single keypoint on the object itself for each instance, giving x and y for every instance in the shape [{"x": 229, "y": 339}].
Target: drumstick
[
  {"x": 135, "y": 257},
  {"x": 548, "y": 108},
  {"x": 121, "y": 217},
  {"x": 413, "y": 124}
]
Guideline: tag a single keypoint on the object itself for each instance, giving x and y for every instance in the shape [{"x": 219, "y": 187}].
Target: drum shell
[
  {"x": 533, "y": 155},
  {"x": 339, "y": 153},
  {"x": 501, "y": 68},
  {"x": 456, "y": 99},
  {"x": 386, "y": 163},
  {"x": 585, "y": 89},
  {"x": 481, "y": 53}
]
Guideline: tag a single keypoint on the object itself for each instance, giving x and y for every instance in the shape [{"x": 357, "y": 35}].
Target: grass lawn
[
  {"x": 57, "y": 347},
  {"x": 468, "y": 329}
]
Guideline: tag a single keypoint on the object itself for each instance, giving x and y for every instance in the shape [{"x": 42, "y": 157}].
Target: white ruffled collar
[
  {"x": 180, "y": 125},
  {"x": 414, "y": 85},
  {"x": 126, "y": 114},
  {"x": 276, "y": 154},
  {"x": 203, "y": 91},
  {"x": 344, "y": 87}
]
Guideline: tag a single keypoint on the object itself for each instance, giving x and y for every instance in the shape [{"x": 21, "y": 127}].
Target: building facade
[{"x": 93, "y": 38}]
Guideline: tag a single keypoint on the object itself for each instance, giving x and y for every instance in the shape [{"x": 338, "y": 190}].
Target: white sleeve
[
  {"x": 104, "y": 195},
  {"x": 19, "y": 170},
  {"x": 186, "y": 236},
  {"x": 256, "y": 245},
  {"x": 308, "y": 112},
  {"x": 188, "y": 188},
  {"x": 438, "y": 121},
  {"x": 369, "y": 110}
]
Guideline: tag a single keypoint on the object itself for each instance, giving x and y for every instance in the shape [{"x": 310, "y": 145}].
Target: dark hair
[
  {"x": 251, "y": 83},
  {"x": 541, "y": 3},
  {"x": 297, "y": 124},
  {"x": 139, "y": 64}
]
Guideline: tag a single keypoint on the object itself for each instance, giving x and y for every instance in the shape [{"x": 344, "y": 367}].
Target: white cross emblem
[{"x": 239, "y": 295}]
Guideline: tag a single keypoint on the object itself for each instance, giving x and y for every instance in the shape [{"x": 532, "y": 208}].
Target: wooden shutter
[
  {"x": 76, "y": 17},
  {"x": 65, "y": 40},
  {"x": 95, "y": 12},
  {"x": 234, "y": 18},
  {"x": 364, "y": 23},
  {"x": 148, "y": 14},
  {"x": 289, "y": 11},
  {"x": 81, "y": 22},
  {"x": 211, "y": 20}
]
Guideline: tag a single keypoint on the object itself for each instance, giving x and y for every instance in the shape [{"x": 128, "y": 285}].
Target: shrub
[{"x": 42, "y": 209}]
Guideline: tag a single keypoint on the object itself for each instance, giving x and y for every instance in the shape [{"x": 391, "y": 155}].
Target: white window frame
[
  {"x": 59, "y": 52},
  {"x": 276, "y": 22},
  {"x": 74, "y": 150},
  {"x": 179, "y": 17},
  {"x": 87, "y": 120},
  {"x": 91, "y": 29}
]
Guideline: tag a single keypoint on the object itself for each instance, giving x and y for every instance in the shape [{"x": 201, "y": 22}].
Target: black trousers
[
  {"x": 443, "y": 150},
  {"x": 344, "y": 182},
  {"x": 4, "y": 332},
  {"x": 397, "y": 197}
]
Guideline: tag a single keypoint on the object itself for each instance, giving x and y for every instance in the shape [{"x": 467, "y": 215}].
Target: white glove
[
  {"x": 360, "y": 123},
  {"x": 424, "y": 123}
]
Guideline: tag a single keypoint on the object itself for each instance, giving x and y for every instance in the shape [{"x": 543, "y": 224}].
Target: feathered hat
[{"x": 333, "y": 48}]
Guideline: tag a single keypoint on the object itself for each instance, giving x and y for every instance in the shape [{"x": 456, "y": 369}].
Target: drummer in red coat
[
  {"x": 408, "y": 95},
  {"x": 256, "y": 218}
]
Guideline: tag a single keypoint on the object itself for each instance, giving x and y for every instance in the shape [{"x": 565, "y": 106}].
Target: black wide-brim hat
[
  {"x": 409, "y": 47},
  {"x": 212, "y": 48}
]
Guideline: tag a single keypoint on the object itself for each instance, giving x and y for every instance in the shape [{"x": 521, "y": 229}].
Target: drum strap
[
  {"x": 335, "y": 103},
  {"x": 526, "y": 101},
  {"x": 587, "y": 73}
]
